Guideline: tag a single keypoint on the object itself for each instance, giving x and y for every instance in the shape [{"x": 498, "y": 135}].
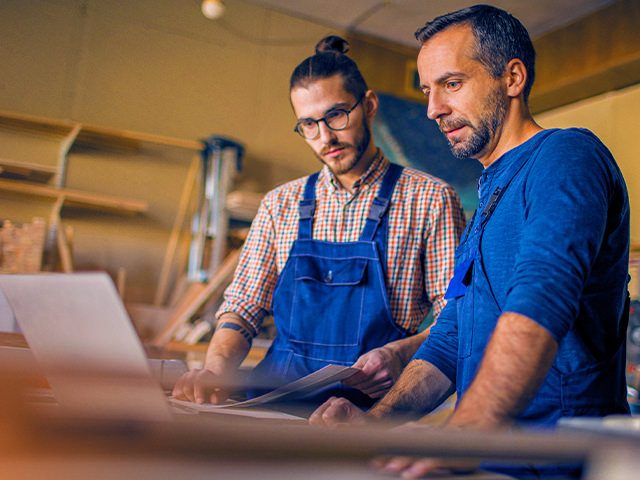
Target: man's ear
[
  {"x": 370, "y": 104},
  {"x": 515, "y": 77}
]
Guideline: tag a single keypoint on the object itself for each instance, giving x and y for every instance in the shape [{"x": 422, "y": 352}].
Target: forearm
[
  {"x": 420, "y": 389},
  {"x": 515, "y": 364},
  {"x": 228, "y": 348},
  {"x": 405, "y": 348}
]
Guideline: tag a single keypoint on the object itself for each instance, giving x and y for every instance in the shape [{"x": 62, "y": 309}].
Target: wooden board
[
  {"x": 197, "y": 296},
  {"x": 78, "y": 198}
]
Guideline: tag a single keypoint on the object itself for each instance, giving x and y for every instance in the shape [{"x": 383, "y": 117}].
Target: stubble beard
[
  {"x": 339, "y": 168},
  {"x": 495, "y": 111}
]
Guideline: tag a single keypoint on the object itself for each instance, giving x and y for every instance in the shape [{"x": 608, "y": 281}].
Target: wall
[
  {"x": 159, "y": 66},
  {"x": 614, "y": 118}
]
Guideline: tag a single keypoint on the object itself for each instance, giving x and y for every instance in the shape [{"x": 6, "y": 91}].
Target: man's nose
[
  {"x": 326, "y": 134},
  {"x": 437, "y": 105}
]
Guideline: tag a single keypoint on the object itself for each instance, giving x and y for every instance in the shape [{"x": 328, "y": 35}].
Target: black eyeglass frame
[{"x": 298, "y": 129}]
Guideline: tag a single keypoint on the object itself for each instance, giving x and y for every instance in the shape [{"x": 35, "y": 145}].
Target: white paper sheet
[{"x": 298, "y": 388}]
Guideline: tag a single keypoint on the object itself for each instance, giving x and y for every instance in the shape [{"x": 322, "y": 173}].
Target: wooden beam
[
  {"x": 63, "y": 156},
  {"x": 25, "y": 122},
  {"x": 33, "y": 171},
  {"x": 78, "y": 198},
  {"x": 594, "y": 55},
  {"x": 64, "y": 249},
  {"x": 170, "y": 252},
  {"x": 91, "y": 134},
  {"x": 186, "y": 309}
]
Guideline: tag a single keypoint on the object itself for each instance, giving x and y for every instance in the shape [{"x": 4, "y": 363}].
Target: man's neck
[
  {"x": 347, "y": 180},
  {"x": 517, "y": 128}
]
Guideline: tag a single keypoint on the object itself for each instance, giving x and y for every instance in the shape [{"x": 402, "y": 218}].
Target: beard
[
  {"x": 493, "y": 114},
  {"x": 342, "y": 166}
]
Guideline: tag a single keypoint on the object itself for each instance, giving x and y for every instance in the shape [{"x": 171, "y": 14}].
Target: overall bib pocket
[{"x": 328, "y": 286}]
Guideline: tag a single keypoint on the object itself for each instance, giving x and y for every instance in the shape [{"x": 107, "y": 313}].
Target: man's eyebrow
[
  {"x": 444, "y": 77},
  {"x": 335, "y": 106},
  {"x": 342, "y": 105}
]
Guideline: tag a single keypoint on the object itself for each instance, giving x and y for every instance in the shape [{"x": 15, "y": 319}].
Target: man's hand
[
  {"x": 380, "y": 368},
  {"x": 214, "y": 382},
  {"x": 200, "y": 386},
  {"x": 336, "y": 412},
  {"x": 413, "y": 467}
]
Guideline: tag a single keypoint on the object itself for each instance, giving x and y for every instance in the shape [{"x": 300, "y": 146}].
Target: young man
[
  {"x": 534, "y": 328},
  {"x": 349, "y": 260}
]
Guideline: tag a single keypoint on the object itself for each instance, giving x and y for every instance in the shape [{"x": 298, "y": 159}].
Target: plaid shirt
[{"x": 425, "y": 225}]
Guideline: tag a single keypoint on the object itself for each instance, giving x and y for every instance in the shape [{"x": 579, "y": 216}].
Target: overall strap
[
  {"x": 381, "y": 202},
  {"x": 496, "y": 196},
  {"x": 307, "y": 208},
  {"x": 511, "y": 172}
]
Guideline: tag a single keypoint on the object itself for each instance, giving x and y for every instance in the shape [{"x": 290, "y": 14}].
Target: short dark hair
[
  {"x": 330, "y": 59},
  {"x": 499, "y": 38}
]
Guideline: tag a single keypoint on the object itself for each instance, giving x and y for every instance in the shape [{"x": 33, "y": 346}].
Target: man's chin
[{"x": 339, "y": 166}]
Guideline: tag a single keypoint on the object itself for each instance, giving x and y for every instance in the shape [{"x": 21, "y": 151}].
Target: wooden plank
[
  {"x": 25, "y": 122},
  {"x": 180, "y": 314},
  {"x": 186, "y": 309},
  {"x": 31, "y": 170},
  {"x": 63, "y": 152},
  {"x": 178, "y": 222},
  {"x": 64, "y": 250},
  {"x": 90, "y": 134},
  {"x": 78, "y": 198},
  {"x": 17, "y": 166}
]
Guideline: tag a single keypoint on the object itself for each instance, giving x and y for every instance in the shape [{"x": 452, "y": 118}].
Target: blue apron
[
  {"x": 330, "y": 303},
  {"x": 470, "y": 271}
]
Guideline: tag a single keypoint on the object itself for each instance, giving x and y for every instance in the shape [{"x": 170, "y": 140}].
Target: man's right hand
[
  {"x": 337, "y": 412},
  {"x": 200, "y": 386}
]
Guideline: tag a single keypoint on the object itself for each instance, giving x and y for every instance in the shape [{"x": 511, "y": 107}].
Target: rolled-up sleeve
[
  {"x": 441, "y": 346},
  {"x": 566, "y": 206},
  {"x": 250, "y": 293}
]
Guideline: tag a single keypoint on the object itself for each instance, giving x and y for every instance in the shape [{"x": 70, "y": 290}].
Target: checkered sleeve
[
  {"x": 250, "y": 293},
  {"x": 446, "y": 223}
]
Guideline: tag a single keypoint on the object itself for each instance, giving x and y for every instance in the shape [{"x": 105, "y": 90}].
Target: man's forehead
[
  {"x": 319, "y": 96},
  {"x": 452, "y": 49}
]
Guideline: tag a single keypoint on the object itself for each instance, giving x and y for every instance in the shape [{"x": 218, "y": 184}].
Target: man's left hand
[{"x": 380, "y": 368}]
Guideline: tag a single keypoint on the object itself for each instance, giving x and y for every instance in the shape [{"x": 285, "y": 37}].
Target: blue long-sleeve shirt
[{"x": 555, "y": 250}]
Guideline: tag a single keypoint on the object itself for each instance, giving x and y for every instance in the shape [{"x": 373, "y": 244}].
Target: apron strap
[
  {"x": 307, "y": 208},
  {"x": 381, "y": 202}
]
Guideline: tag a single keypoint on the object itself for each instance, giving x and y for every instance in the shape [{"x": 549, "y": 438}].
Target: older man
[{"x": 534, "y": 328}]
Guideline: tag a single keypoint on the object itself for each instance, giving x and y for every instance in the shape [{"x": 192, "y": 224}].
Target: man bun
[
  {"x": 329, "y": 60},
  {"x": 332, "y": 44}
]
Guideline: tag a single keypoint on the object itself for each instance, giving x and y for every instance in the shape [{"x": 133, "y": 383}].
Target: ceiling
[{"x": 396, "y": 20}]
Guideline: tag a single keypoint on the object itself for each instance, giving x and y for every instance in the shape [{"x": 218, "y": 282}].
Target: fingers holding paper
[
  {"x": 200, "y": 386},
  {"x": 379, "y": 369}
]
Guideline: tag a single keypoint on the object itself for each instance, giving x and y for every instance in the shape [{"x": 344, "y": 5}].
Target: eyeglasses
[{"x": 336, "y": 119}]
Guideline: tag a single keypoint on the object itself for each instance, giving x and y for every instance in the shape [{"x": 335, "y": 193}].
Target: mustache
[
  {"x": 453, "y": 124},
  {"x": 332, "y": 146}
]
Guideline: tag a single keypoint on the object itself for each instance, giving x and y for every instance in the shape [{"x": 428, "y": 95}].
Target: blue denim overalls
[{"x": 330, "y": 303}]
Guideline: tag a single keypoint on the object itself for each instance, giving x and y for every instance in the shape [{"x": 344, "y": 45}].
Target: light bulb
[{"x": 212, "y": 9}]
